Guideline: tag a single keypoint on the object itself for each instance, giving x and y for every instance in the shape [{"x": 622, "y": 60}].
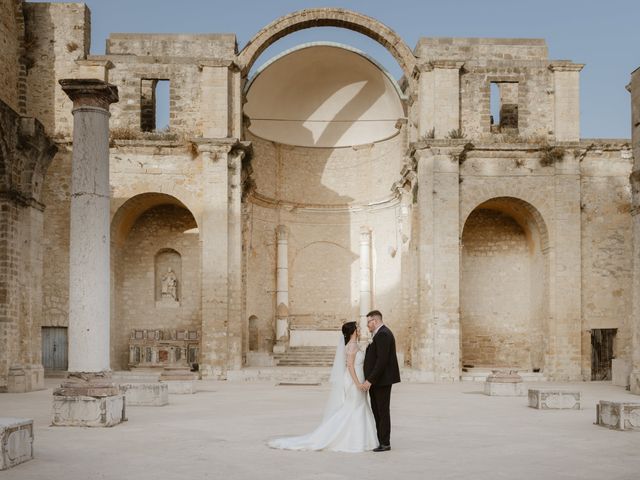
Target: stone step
[{"x": 480, "y": 374}]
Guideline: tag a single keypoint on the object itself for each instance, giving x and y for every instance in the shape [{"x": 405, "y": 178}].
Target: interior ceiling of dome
[{"x": 323, "y": 96}]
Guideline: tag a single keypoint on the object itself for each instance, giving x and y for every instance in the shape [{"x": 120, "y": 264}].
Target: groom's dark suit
[{"x": 381, "y": 370}]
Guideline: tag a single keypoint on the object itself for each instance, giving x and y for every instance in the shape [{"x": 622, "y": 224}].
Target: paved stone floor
[{"x": 439, "y": 432}]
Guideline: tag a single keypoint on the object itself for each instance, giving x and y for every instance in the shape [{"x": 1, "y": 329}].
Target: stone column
[
  {"x": 566, "y": 94},
  {"x": 88, "y": 397},
  {"x": 282, "y": 290},
  {"x": 634, "y": 88},
  {"x": 365, "y": 279}
]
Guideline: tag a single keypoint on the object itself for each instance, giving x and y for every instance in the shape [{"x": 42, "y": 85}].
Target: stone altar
[{"x": 164, "y": 348}]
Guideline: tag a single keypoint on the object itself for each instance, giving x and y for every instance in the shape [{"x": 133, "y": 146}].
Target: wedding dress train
[{"x": 348, "y": 424}]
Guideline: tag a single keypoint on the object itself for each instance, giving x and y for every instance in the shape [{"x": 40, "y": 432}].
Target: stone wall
[
  {"x": 495, "y": 292},
  {"x": 58, "y": 34},
  {"x": 11, "y": 38},
  {"x": 324, "y": 197},
  {"x": 606, "y": 246},
  {"x": 135, "y": 277}
]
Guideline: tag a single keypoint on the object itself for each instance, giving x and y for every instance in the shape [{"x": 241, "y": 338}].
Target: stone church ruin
[{"x": 280, "y": 204}]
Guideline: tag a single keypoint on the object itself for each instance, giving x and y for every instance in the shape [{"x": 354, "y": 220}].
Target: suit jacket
[{"x": 380, "y": 360}]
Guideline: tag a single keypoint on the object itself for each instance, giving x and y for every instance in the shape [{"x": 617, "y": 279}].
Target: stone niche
[{"x": 164, "y": 348}]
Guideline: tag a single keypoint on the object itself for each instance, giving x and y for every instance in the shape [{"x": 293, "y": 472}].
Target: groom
[{"x": 380, "y": 371}]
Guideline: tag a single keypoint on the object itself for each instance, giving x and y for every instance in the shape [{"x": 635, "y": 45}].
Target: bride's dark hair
[{"x": 347, "y": 330}]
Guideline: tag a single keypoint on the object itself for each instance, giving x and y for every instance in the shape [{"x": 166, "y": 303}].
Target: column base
[
  {"x": 88, "y": 400},
  {"x": 25, "y": 378},
  {"x": 634, "y": 382}
]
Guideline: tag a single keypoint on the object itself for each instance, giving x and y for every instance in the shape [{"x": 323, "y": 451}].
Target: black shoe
[{"x": 382, "y": 448}]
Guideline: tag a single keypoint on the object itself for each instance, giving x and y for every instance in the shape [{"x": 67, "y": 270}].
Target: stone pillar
[
  {"x": 365, "y": 279},
  {"x": 634, "y": 88},
  {"x": 234, "y": 248},
  {"x": 214, "y": 235},
  {"x": 446, "y": 93},
  {"x": 88, "y": 397},
  {"x": 566, "y": 89},
  {"x": 436, "y": 339},
  {"x": 282, "y": 290},
  {"x": 564, "y": 343}
]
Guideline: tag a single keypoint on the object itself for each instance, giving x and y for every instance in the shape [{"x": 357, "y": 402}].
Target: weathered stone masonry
[{"x": 418, "y": 223}]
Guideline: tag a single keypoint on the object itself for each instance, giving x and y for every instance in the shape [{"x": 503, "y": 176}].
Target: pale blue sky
[{"x": 603, "y": 34}]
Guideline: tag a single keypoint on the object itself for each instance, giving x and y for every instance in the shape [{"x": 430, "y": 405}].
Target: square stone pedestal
[
  {"x": 16, "y": 441},
  {"x": 179, "y": 380},
  {"x": 504, "y": 384},
  {"x": 145, "y": 394},
  {"x": 88, "y": 400},
  {"x": 618, "y": 415},
  {"x": 549, "y": 399},
  {"x": 25, "y": 378}
]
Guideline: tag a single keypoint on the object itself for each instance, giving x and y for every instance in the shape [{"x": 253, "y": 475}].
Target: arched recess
[
  {"x": 327, "y": 17},
  {"x": 150, "y": 234},
  {"x": 504, "y": 286}
]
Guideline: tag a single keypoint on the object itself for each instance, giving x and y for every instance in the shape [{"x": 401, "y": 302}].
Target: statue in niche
[{"x": 169, "y": 286}]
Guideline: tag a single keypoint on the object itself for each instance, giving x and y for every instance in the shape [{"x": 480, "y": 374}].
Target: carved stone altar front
[{"x": 164, "y": 348}]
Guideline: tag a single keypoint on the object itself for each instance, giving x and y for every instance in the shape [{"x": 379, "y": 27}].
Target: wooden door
[
  {"x": 602, "y": 352},
  {"x": 54, "y": 348}
]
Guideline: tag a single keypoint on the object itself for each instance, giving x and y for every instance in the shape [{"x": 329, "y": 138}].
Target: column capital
[
  {"x": 89, "y": 92},
  {"x": 565, "y": 66}
]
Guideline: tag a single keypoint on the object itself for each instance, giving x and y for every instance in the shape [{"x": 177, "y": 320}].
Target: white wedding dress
[{"x": 348, "y": 424}]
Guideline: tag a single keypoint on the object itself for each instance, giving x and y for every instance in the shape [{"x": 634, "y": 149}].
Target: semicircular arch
[{"x": 327, "y": 17}]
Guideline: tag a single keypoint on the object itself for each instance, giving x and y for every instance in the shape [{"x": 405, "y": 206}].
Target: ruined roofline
[
  {"x": 466, "y": 48},
  {"x": 221, "y": 45}
]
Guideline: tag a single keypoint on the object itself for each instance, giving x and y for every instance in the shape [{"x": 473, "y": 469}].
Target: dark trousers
[{"x": 380, "y": 399}]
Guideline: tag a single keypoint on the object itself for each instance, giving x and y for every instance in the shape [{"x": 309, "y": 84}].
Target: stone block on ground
[
  {"x": 179, "y": 380},
  {"x": 145, "y": 394},
  {"x": 87, "y": 411},
  {"x": 25, "y": 378},
  {"x": 504, "y": 384},
  {"x": 618, "y": 415},
  {"x": 16, "y": 441},
  {"x": 554, "y": 399}
]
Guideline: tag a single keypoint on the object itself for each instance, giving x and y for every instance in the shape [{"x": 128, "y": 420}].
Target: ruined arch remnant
[{"x": 327, "y": 17}]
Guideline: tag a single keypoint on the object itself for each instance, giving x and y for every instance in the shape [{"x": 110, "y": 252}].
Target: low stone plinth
[
  {"x": 179, "y": 380},
  {"x": 180, "y": 387},
  {"x": 550, "y": 399},
  {"x": 25, "y": 378},
  {"x": 504, "y": 384},
  {"x": 618, "y": 415},
  {"x": 88, "y": 400},
  {"x": 83, "y": 411},
  {"x": 16, "y": 441},
  {"x": 145, "y": 394}
]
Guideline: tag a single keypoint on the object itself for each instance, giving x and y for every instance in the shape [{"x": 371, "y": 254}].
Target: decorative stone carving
[
  {"x": 16, "y": 441},
  {"x": 145, "y": 394},
  {"x": 164, "y": 348},
  {"x": 618, "y": 415},
  {"x": 552, "y": 399},
  {"x": 170, "y": 285}
]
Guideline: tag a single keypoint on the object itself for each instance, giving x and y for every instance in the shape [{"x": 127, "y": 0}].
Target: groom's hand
[{"x": 366, "y": 386}]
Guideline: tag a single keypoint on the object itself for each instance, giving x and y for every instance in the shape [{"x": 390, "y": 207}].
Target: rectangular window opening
[
  {"x": 154, "y": 105},
  {"x": 503, "y": 102}
]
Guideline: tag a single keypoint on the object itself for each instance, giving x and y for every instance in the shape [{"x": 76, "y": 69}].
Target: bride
[{"x": 348, "y": 424}]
